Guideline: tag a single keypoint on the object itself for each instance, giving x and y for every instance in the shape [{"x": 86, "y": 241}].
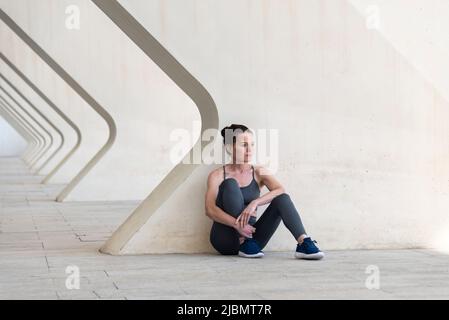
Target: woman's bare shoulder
[
  {"x": 262, "y": 170},
  {"x": 216, "y": 175}
]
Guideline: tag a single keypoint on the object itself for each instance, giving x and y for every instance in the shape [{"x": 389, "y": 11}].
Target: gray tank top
[{"x": 249, "y": 192}]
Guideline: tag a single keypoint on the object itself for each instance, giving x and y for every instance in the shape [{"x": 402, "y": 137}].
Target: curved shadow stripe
[
  {"x": 29, "y": 127},
  {"x": 56, "y": 109},
  {"x": 55, "y": 152},
  {"x": 204, "y": 102},
  {"x": 80, "y": 91}
]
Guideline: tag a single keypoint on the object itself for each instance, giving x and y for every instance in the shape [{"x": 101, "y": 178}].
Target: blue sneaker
[
  {"x": 308, "y": 250},
  {"x": 250, "y": 249}
]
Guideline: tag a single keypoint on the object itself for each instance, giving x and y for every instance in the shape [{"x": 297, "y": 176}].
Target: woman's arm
[{"x": 268, "y": 179}]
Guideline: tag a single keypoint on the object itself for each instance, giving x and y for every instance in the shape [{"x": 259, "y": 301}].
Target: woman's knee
[
  {"x": 232, "y": 198},
  {"x": 282, "y": 198},
  {"x": 230, "y": 183}
]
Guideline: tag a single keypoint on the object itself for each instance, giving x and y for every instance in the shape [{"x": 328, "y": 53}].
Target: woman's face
[{"x": 243, "y": 147}]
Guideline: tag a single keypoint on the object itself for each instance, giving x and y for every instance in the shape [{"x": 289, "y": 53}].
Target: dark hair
[{"x": 232, "y": 131}]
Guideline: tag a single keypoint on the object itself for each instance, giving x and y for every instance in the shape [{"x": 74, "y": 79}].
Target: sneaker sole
[
  {"x": 312, "y": 256},
  {"x": 256, "y": 255}
]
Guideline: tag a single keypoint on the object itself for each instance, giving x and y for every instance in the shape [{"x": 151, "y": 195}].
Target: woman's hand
[
  {"x": 250, "y": 210},
  {"x": 247, "y": 231}
]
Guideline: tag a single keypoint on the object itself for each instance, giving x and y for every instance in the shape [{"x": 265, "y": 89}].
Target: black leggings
[{"x": 225, "y": 239}]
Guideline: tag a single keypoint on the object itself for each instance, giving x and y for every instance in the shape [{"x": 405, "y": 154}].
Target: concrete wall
[
  {"x": 363, "y": 135},
  {"x": 417, "y": 32}
]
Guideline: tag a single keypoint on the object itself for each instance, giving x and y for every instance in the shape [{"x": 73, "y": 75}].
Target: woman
[{"x": 232, "y": 198}]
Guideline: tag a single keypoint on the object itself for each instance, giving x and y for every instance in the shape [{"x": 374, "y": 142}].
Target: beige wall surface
[{"x": 363, "y": 134}]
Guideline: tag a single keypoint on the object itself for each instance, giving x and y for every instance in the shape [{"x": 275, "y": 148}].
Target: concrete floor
[{"x": 40, "y": 238}]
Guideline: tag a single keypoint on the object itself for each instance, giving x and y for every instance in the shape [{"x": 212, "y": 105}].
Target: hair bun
[{"x": 225, "y": 131}]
